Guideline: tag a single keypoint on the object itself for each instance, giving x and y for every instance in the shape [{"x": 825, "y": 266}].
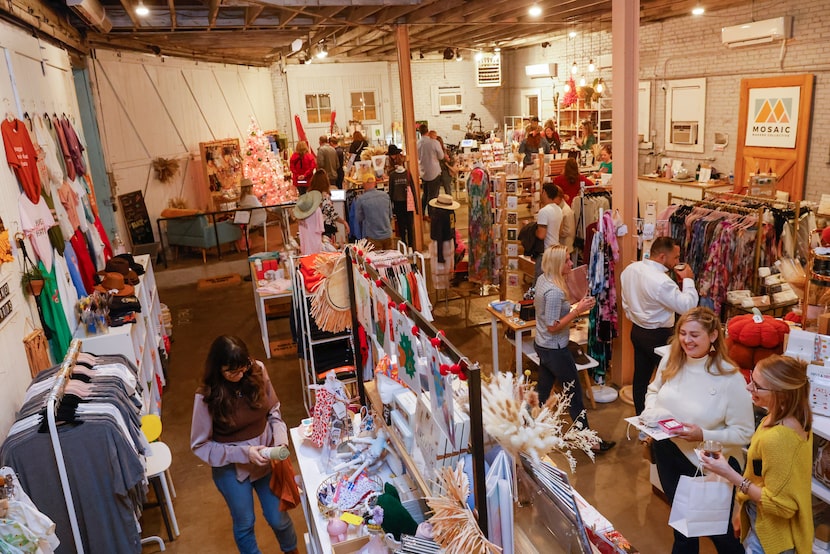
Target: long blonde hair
[
  {"x": 553, "y": 260},
  {"x": 719, "y": 362},
  {"x": 789, "y": 390}
]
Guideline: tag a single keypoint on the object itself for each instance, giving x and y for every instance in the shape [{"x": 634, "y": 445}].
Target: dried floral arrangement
[
  {"x": 453, "y": 524},
  {"x": 165, "y": 169},
  {"x": 370, "y": 151},
  {"x": 512, "y": 415},
  {"x": 177, "y": 202}
]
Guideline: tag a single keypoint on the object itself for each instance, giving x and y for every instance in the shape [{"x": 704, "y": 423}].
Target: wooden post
[
  {"x": 408, "y": 108},
  {"x": 625, "y": 21}
]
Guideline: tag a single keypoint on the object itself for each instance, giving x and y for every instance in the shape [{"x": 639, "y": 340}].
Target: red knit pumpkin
[{"x": 769, "y": 333}]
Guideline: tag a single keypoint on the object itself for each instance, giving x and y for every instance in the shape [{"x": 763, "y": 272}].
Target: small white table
[{"x": 259, "y": 301}]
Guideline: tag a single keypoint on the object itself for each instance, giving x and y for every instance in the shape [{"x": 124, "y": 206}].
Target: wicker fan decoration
[
  {"x": 165, "y": 169},
  {"x": 513, "y": 417},
  {"x": 331, "y": 304},
  {"x": 453, "y": 524},
  {"x": 367, "y": 153}
]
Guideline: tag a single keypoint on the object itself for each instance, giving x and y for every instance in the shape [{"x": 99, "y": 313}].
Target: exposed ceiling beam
[
  {"x": 251, "y": 14},
  {"x": 213, "y": 12},
  {"x": 171, "y": 5},
  {"x": 129, "y": 7},
  {"x": 43, "y": 18}
]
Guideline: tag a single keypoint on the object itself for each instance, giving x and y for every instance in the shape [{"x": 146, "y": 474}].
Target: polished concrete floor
[{"x": 616, "y": 484}]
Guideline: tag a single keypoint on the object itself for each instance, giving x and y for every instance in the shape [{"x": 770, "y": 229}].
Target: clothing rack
[
  {"x": 471, "y": 370},
  {"x": 731, "y": 208},
  {"x": 784, "y": 204},
  {"x": 52, "y": 402}
]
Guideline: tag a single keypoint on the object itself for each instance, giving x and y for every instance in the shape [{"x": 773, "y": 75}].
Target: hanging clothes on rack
[
  {"x": 602, "y": 322},
  {"x": 99, "y": 403},
  {"x": 482, "y": 252}
]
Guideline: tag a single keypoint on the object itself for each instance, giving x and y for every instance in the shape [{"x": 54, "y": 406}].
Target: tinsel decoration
[
  {"x": 165, "y": 168},
  {"x": 453, "y": 524},
  {"x": 513, "y": 417}
]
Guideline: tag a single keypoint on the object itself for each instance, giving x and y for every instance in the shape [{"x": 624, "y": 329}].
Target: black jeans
[
  {"x": 406, "y": 230},
  {"x": 671, "y": 464},
  {"x": 645, "y": 360},
  {"x": 430, "y": 190},
  {"x": 558, "y": 363}
]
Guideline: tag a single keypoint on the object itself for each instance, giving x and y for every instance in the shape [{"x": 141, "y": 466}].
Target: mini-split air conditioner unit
[
  {"x": 540, "y": 70},
  {"x": 757, "y": 32}
]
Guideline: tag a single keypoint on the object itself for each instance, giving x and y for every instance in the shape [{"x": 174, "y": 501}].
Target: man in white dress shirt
[{"x": 651, "y": 298}]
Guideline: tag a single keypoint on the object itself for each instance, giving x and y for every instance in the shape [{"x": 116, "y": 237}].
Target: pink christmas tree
[
  {"x": 263, "y": 167},
  {"x": 570, "y": 97}
]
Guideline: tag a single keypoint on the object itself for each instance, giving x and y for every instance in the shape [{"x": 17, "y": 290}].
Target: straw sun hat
[
  {"x": 445, "y": 202},
  {"x": 307, "y": 203}
]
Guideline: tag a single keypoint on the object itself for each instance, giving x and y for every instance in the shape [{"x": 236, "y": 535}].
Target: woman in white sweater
[{"x": 698, "y": 385}]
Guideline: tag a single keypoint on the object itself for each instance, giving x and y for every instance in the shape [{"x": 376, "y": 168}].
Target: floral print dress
[{"x": 481, "y": 248}]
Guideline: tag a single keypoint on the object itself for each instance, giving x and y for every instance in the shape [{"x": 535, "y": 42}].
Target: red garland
[
  {"x": 415, "y": 329},
  {"x": 435, "y": 341},
  {"x": 444, "y": 369},
  {"x": 402, "y": 307},
  {"x": 379, "y": 283}
]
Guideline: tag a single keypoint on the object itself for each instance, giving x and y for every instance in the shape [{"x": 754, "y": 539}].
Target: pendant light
[
  {"x": 591, "y": 66},
  {"x": 574, "y": 68}
]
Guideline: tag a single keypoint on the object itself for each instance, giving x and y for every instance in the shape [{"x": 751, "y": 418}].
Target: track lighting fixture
[
  {"x": 545, "y": 44},
  {"x": 535, "y": 10},
  {"x": 449, "y": 53},
  {"x": 458, "y": 55},
  {"x": 698, "y": 10},
  {"x": 322, "y": 50},
  {"x": 420, "y": 54}
]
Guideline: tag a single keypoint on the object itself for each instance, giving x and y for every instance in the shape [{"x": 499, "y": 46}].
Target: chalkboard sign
[{"x": 138, "y": 221}]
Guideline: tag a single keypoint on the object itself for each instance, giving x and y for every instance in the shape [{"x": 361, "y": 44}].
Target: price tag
[{"x": 339, "y": 410}]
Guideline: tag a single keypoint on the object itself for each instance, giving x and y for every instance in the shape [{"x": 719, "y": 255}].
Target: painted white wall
[
  {"x": 340, "y": 78},
  {"x": 26, "y": 85},
  {"x": 150, "y": 107}
]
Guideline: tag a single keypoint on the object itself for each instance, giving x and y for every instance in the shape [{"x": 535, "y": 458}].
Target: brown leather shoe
[{"x": 295, "y": 551}]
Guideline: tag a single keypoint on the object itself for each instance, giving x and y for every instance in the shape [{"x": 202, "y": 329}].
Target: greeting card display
[
  {"x": 440, "y": 392},
  {"x": 382, "y": 322},
  {"x": 406, "y": 347}
]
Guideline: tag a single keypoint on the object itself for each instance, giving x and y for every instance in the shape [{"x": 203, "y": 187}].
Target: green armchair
[{"x": 198, "y": 232}]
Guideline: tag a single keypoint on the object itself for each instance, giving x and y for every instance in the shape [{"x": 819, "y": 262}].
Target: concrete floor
[{"x": 616, "y": 484}]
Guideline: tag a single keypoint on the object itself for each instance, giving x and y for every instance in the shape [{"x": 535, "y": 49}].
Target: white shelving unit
[
  {"x": 311, "y": 346},
  {"x": 140, "y": 341},
  {"x": 821, "y": 427},
  {"x": 569, "y": 119}
]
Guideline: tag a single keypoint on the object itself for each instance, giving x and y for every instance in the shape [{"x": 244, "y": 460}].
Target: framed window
[
  {"x": 318, "y": 108},
  {"x": 363, "y": 106}
]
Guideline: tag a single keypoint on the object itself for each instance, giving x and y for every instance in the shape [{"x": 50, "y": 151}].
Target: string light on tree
[{"x": 262, "y": 166}]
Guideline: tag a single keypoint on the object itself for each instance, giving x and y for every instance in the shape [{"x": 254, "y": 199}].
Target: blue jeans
[
  {"x": 752, "y": 543},
  {"x": 240, "y": 500}
]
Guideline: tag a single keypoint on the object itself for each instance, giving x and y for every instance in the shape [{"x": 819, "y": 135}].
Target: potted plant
[{"x": 32, "y": 281}]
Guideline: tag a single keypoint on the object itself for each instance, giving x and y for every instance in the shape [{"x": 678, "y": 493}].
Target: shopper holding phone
[
  {"x": 699, "y": 386},
  {"x": 774, "y": 503}
]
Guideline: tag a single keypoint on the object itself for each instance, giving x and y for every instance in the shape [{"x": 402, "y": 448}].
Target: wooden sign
[{"x": 137, "y": 218}]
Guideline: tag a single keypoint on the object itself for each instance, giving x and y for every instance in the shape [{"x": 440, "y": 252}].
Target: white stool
[{"x": 159, "y": 459}]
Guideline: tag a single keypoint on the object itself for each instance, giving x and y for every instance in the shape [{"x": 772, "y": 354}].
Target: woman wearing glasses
[
  {"x": 775, "y": 501},
  {"x": 236, "y": 414},
  {"x": 697, "y": 385}
]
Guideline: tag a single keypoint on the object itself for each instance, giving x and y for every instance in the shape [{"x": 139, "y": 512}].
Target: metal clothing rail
[
  {"x": 785, "y": 204},
  {"x": 472, "y": 371},
  {"x": 53, "y": 400},
  {"x": 731, "y": 208}
]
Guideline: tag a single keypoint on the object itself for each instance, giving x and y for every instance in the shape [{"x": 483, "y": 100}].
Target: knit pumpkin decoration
[
  {"x": 745, "y": 330},
  {"x": 751, "y": 338}
]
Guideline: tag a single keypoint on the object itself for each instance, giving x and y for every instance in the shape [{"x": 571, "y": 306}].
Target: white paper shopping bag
[{"x": 702, "y": 506}]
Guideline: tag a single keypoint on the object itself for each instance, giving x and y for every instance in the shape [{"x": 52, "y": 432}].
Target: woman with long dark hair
[
  {"x": 571, "y": 180},
  {"x": 236, "y": 414}
]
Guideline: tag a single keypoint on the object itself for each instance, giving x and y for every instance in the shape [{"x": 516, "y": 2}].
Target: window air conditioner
[
  {"x": 447, "y": 99},
  {"x": 684, "y": 132},
  {"x": 757, "y": 32}
]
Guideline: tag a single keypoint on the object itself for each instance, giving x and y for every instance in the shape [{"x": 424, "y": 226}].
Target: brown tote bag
[{"x": 37, "y": 349}]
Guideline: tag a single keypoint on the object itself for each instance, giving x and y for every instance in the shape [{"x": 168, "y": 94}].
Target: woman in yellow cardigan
[{"x": 775, "y": 514}]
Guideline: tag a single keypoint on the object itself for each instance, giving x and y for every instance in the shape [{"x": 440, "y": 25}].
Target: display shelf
[
  {"x": 307, "y": 346},
  {"x": 139, "y": 342}
]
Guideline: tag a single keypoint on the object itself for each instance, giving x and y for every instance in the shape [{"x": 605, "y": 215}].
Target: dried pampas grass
[
  {"x": 513, "y": 417},
  {"x": 165, "y": 169},
  {"x": 453, "y": 524}
]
